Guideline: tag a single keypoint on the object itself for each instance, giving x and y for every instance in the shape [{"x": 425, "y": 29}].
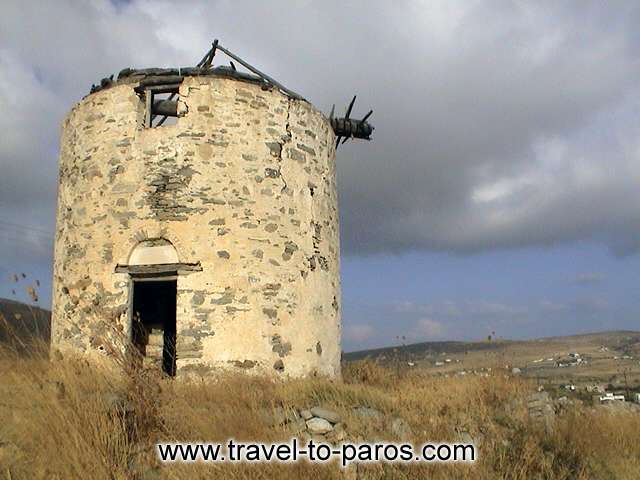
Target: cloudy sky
[{"x": 501, "y": 192}]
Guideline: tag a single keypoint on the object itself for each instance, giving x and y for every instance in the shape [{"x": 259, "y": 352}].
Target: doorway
[{"x": 154, "y": 323}]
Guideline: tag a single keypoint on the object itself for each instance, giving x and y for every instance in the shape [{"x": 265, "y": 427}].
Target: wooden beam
[
  {"x": 167, "y": 108},
  {"x": 170, "y": 88},
  {"x": 148, "y": 99},
  {"x": 165, "y": 268}
]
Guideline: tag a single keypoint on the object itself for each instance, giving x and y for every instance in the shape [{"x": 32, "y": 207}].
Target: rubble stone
[
  {"x": 318, "y": 426},
  {"x": 328, "y": 415}
]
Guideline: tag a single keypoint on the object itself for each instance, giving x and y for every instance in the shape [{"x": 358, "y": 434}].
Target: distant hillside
[
  {"x": 22, "y": 323},
  {"x": 424, "y": 349},
  {"x": 622, "y": 341}
]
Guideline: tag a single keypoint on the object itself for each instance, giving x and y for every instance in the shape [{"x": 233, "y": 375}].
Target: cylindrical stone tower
[{"x": 208, "y": 244}]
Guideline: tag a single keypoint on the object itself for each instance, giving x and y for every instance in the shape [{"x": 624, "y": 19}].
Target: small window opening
[
  {"x": 161, "y": 105},
  {"x": 154, "y": 323}
]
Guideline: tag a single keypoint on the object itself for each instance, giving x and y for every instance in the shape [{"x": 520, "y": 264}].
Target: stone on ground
[
  {"x": 318, "y": 426},
  {"x": 328, "y": 415}
]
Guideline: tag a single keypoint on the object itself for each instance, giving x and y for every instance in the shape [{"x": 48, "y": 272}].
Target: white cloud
[
  {"x": 358, "y": 333},
  {"x": 461, "y": 308},
  {"x": 550, "y": 306},
  {"x": 587, "y": 278},
  {"x": 429, "y": 329}
]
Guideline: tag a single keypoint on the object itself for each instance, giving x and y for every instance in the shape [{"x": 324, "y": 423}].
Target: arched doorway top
[{"x": 157, "y": 251}]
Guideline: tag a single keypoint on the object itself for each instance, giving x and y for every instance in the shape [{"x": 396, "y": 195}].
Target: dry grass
[{"x": 67, "y": 419}]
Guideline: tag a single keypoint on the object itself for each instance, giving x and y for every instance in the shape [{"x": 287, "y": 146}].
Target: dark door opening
[{"x": 154, "y": 323}]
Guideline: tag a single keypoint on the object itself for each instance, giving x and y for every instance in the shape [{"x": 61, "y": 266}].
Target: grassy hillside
[
  {"x": 609, "y": 358},
  {"x": 621, "y": 340},
  {"x": 69, "y": 419},
  {"x": 21, "y": 324},
  {"x": 419, "y": 350}
]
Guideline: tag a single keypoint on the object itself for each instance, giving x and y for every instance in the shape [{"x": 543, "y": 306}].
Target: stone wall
[{"x": 244, "y": 183}]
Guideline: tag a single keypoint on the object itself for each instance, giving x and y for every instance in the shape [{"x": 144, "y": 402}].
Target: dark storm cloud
[{"x": 498, "y": 124}]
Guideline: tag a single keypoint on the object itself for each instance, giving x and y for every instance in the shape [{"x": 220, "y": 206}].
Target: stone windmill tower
[{"x": 197, "y": 222}]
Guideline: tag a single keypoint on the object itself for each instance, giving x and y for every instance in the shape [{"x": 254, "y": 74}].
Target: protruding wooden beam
[{"x": 167, "y": 108}]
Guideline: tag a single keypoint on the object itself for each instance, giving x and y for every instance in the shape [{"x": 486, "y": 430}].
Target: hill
[
  {"x": 71, "y": 419},
  {"x": 611, "y": 357},
  {"x": 22, "y": 323}
]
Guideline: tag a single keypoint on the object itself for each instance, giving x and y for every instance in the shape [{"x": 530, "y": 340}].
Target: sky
[{"x": 500, "y": 194}]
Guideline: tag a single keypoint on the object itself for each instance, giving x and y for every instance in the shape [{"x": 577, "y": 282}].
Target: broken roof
[{"x": 164, "y": 76}]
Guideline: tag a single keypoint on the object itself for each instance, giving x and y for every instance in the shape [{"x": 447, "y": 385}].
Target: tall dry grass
[{"x": 66, "y": 419}]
